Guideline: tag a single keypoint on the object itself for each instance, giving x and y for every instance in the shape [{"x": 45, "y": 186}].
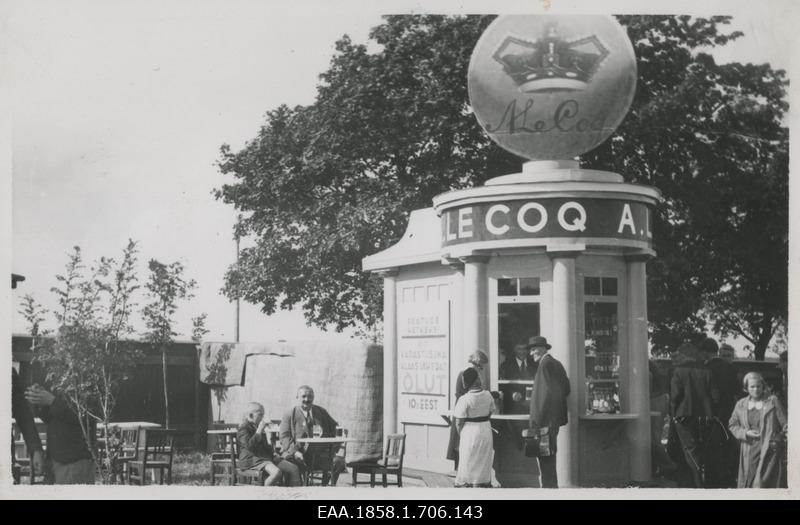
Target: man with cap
[{"x": 548, "y": 403}]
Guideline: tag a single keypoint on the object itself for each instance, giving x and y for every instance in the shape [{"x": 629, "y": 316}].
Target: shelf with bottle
[
  {"x": 602, "y": 397},
  {"x": 602, "y": 365}
]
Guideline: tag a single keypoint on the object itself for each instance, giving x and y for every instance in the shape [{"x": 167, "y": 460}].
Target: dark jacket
[
  {"x": 550, "y": 391},
  {"x": 690, "y": 390},
  {"x": 510, "y": 370},
  {"x": 253, "y": 446},
  {"x": 725, "y": 387},
  {"x": 65, "y": 441},
  {"x": 294, "y": 426},
  {"x": 23, "y": 415}
]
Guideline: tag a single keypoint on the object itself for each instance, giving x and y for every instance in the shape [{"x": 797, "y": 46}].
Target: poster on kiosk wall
[{"x": 423, "y": 362}]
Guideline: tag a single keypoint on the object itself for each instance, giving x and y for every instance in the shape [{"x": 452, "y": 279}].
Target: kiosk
[{"x": 555, "y": 250}]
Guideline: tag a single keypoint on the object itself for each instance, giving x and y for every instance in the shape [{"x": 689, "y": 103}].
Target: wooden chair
[
  {"x": 245, "y": 476},
  {"x": 223, "y": 457},
  {"x": 156, "y": 455},
  {"x": 390, "y": 463},
  {"x": 250, "y": 477},
  {"x": 129, "y": 451}
]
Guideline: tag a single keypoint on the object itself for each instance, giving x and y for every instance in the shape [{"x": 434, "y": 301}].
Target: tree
[
  {"x": 324, "y": 185},
  {"x": 165, "y": 288},
  {"x": 87, "y": 362},
  {"x": 711, "y": 138},
  {"x": 34, "y": 313}
]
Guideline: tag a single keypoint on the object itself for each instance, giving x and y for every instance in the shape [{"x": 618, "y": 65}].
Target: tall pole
[{"x": 236, "y": 332}]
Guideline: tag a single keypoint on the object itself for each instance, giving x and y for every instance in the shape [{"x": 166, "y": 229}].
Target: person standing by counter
[
  {"x": 477, "y": 360},
  {"x": 476, "y": 449},
  {"x": 520, "y": 367},
  {"x": 548, "y": 403}
]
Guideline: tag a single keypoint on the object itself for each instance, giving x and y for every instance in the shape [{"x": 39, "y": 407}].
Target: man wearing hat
[{"x": 548, "y": 402}]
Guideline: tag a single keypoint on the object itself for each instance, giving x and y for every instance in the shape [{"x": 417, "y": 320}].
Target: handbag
[{"x": 538, "y": 442}]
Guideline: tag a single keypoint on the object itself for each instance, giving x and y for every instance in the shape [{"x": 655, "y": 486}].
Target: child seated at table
[{"x": 256, "y": 453}]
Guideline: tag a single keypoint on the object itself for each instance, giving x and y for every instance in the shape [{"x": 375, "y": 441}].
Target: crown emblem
[{"x": 550, "y": 63}]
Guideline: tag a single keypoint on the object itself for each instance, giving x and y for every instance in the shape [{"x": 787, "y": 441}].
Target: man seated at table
[
  {"x": 299, "y": 422},
  {"x": 255, "y": 452}
]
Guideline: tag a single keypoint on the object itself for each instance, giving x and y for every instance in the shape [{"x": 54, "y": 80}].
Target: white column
[
  {"x": 458, "y": 354},
  {"x": 389, "y": 351},
  {"x": 475, "y": 320},
  {"x": 638, "y": 372},
  {"x": 564, "y": 342}
]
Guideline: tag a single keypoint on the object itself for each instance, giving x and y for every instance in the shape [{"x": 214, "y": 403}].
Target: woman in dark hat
[{"x": 475, "y": 449}]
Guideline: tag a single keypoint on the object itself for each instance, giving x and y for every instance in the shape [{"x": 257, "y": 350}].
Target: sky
[{"x": 118, "y": 110}]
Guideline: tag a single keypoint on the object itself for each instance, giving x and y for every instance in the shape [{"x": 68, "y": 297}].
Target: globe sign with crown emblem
[{"x": 550, "y": 87}]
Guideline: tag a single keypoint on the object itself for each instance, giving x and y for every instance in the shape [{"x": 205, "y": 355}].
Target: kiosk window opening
[
  {"x": 522, "y": 286},
  {"x": 602, "y": 286}
]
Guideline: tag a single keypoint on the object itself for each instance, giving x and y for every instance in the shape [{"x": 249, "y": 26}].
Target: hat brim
[{"x": 539, "y": 344}]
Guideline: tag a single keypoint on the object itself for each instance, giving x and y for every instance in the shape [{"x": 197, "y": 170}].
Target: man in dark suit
[
  {"x": 690, "y": 405},
  {"x": 299, "y": 422},
  {"x": 723, "y": 448},
  {"x": 548, "y": 403},
  {"x": 518, "y": 367}
]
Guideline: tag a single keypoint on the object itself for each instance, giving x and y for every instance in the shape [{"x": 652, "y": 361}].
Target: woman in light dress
[
  {"x": 759, "y": 423},
  {"x": 475, "y": 448},
  {"x": 477, "y": 360}
]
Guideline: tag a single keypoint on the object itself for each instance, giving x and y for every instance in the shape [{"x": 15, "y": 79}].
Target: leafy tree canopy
[{"x": 324, "y": 185}]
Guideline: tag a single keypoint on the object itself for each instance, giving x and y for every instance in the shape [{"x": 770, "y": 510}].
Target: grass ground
[{"x": 191, "y": 468}]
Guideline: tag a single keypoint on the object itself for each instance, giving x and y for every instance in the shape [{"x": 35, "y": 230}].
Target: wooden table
[
  {"x": 271, "y": 431},
  {"x": 225, "y": 431},
  {"x": 130, "y": 425},
  {"x": 330, "y": 442}
]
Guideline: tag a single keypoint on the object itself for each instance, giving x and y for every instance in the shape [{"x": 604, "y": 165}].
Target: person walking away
[
  {"x": 722, "y": 449},
  {"x": 690, "y": 406},
  {"x": 476, "y": 449},
  {"x": 759, "y": 424},
  {"x": 548, "y": 403}
]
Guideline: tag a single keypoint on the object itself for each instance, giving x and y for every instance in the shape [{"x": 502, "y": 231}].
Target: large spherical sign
[{"x": 550, "y": 86}]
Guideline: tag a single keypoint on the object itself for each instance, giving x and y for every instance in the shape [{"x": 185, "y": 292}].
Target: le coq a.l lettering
[
  {"x": 608, "y": 218},
  {"x": 565, "y": 118}
]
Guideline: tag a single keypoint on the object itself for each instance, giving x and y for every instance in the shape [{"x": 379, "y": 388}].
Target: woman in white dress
[{"x": 475, "y": 450}]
